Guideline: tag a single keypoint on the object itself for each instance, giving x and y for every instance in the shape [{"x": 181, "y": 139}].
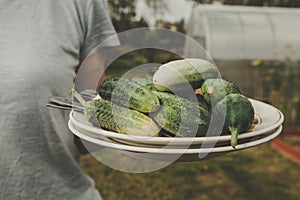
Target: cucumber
[
  {"x": 183, "y": 74},
  {"x": 180, "y": 116},
  {"x": 200, "y": 100},
  {"x": 214, "y": 90},
  {"x": 238, "y": 113},
  {"x": 103, "y": 113},
  {"x": 144, "y": 82},
  {"x": 128, "y": 93}
]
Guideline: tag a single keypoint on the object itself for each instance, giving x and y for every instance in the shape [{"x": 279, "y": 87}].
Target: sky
[{"x": 177, "y": 10}]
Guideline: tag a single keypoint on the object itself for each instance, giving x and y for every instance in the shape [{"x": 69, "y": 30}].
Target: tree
[
  {"x": 203, "y": 1},
  {"x": 271, "y": 3},
  {"x": 158, "y": 7},
  {"x": 244, "y": 2},
  {"x": 122, "y": 14},
  {"x": 277, "y": 3}
]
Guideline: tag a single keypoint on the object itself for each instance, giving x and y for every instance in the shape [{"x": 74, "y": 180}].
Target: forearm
[{"x": 90, "y": 72}]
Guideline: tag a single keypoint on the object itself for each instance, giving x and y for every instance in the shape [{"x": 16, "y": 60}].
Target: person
[{"x": 41, "y": 44}]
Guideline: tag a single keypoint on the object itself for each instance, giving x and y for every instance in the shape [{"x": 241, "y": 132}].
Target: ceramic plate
[
  {"x": 170, "y": 154},
  {"x": 269, "y": 118}
]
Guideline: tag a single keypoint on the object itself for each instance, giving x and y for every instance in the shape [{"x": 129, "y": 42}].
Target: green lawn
[
  {"x": 256, "y": 173},
  {"x": 294, "y": 141}
]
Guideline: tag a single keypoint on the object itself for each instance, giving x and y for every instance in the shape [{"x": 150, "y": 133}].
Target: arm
[{"x": 90, "y": 73}]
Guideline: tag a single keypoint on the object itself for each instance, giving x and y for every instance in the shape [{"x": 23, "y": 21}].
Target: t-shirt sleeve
[{"x": 98, "y": 29}]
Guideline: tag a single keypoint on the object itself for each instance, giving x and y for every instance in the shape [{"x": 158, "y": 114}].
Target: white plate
[
  {"x": 170, "y": 145},
  {"x": 168, "y": 154},
  {"x": 269, "y": 119}
]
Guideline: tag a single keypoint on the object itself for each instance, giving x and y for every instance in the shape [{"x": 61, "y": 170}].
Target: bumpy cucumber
[
  {"x": 238, "y": 113},
  {"x": 200, "y": 100},
  {"x": 116, "y": 118},
  {"x": 128, "y": 93},
  {"x": 182, "y": 74},
  {"x": 144, "y": 82},
  {"x": 180, "y": 116},
  {"x": 214, "y": 90}
]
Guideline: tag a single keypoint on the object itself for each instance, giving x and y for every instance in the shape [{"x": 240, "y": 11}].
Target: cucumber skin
[
  {"x": 128, "y": 93},
  {"x": 214, "y": 90},
  {"x": 181, "y": 74},
  {"x": 103, "y": 113},
  {"x": 200, "y": 100},
  {"x": 238, "y": 112},
  {"x": 144, "y": 82},
  {"x": 174, "y": 108}
]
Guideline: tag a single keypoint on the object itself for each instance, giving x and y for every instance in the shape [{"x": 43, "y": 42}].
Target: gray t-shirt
[{"x": 41, "y": 43}]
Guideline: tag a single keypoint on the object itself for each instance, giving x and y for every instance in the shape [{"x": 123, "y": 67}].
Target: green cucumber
[
  {"x": 180, "y": 116},
  {"x": 238, "y": 113},
  {"x": 128, "y": 93},
  {"x": 144, "y": 82},
  {"x": 103, "y": 113},
  {"x": 214, "y": 90},
  {"x": 200, "y": 100}
]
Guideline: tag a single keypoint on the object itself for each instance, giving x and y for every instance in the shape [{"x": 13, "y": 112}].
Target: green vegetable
[
  {"x": 200, "y": 100},
  {"x": 183, "y": 74},
  {"x": 144, "y": 82},
  {"x": 180, "y": 116},
  {"x": 214, "y": 90},
  {"x": 116, "y": 118},
  {"x": 238, "y": 113},
  {"x": 128, "y": 93}
]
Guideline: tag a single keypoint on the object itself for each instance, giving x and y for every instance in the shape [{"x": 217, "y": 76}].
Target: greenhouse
[{"x": 246, "y": 33}]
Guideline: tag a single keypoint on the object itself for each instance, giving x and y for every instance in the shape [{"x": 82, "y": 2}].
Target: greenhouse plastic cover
[{"x": 240, "y": 32}]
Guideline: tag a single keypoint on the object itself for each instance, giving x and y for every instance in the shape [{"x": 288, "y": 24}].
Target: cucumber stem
[
  {"x": 234, "y": 135},
  {"x": 78, "y": 97}
]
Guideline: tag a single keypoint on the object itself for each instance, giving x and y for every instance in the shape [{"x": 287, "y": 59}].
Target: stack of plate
[{"x": 269, "y": 126}]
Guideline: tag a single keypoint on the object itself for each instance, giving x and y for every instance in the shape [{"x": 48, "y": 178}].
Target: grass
[
  {"x": 294, "y": 141},
  {"x": 255, "y": 173}
]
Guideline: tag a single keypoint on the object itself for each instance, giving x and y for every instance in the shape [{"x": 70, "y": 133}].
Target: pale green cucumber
[{"x": 184, "y": 74}]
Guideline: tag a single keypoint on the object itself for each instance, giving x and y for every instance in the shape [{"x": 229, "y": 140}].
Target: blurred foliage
[
  {"x": 294, "y": 141},
  {"x": 123, "y": 15},
  {"x": 279, "y": 81},
  {"x": 158, "y": 7},
  {"x": 203, "y": 1},
  {"x": 276, "y": 3},
  {"x": 138, "y": 58},
  {"x": 180, "y": 26}
]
